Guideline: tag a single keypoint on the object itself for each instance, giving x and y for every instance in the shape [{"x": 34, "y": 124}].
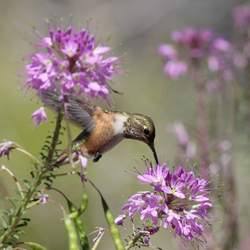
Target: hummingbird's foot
[{"x": 97, "y": 157}]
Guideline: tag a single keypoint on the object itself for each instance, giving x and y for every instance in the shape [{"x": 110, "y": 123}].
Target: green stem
[
  {"x": 133, "y": 241},
  {"x": 69, "y": 137},
  {"x": 202, "y": 119},
  {"x": 14, "y": 178},
  {"x": 36, "y": 182}
]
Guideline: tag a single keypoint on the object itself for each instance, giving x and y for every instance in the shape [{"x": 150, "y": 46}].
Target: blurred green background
[{"x": 139, "y": 25}]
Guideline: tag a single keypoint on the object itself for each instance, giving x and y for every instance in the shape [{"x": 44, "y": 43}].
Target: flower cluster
[
  {"x": 68, "y": 60},
  {"x": 241, "y": 15},
  {"x": 179, "y": 200},
  {"x": 193, "y": 47}
]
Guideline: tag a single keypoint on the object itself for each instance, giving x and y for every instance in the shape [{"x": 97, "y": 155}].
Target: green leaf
[
  {"x": 11, "y": 202},
  {"x": 15, "y": 236},
  {"x": 5, "y": 212},
  {"x": 16, "y": 199},
  {"x": 5, "y": 225},
  {"x": 12, "y": 212},
  {"x": 5, "y": 219},
  {"x": 22, "y": 224},
  {"x": 27, "y": 185},
  {"x": 17, "y": 192},
  {"x": 20, "y": 231},
  {"x": 26, "y": 180}
]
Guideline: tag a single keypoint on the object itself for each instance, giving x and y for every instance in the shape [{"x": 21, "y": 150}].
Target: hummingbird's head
[{"x": 141, "y": 127}]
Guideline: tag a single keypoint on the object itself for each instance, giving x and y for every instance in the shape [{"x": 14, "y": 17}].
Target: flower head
[
  {"x": 69, "y": 60},
  {"x": 241, "y": 15},
  {"x": 179, "y": 200},
  {"x": 193, "y": 47}
]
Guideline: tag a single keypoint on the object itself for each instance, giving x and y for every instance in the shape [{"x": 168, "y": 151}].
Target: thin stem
[
  {"x": 202, "y": 119},
  {"x": 15, "y": 179},
  {"x": 33, "y": 204},
  {"x": 21, "y": 149},
  {"x": 133, "y": 241},
  {"x": 69, "y": 137},
  {"x": 28, "y": 154},
  {"x": 55, "y": 139}
]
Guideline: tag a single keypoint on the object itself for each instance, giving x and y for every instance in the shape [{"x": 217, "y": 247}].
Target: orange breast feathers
[{"x": 102, "y": 134}]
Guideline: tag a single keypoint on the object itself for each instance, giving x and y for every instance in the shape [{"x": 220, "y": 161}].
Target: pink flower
[
  {"x": 167, "y": 51},
  {"x": 39, "y": 115},
  {"x": 195, "y": 48},
  {"x": 5, "y": 149},
  {"x": 179, "y": 201},
  {"x": 174, "y": 69},
  {"x": 241, "y": 15},
  {"x": 66, "y": 55}
]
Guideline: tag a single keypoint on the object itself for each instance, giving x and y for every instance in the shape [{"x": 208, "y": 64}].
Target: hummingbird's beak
[{"x": 154, "y": 152}]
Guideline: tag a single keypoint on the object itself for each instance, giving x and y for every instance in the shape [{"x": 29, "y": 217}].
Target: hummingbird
[{"x": 102, "y": 129}]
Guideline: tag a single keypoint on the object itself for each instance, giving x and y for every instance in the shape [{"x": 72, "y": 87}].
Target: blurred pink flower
[
  {"x": 174, "y": 69},
  {"x": 241, "y": 15}
]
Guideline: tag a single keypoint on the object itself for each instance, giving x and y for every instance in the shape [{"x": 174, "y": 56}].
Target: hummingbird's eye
[{"x": 146, "y": 131}]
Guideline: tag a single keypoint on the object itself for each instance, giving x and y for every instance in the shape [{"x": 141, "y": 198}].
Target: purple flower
[
  {"x": 175, "y": 68},
  {"x": 179, "y": 200},
  {"x": 39, "y": 115},
  {"x": 167, "y": 51},
  {"x": 120, "y": 219},
  {"x": 192, "y": 38},
  {"x": 44, "y": 198},
  {"x": 68, "y": 60},
  {"x": 83, "y": 160},
  {"x": 241, "y": 15},
  {"x": 221, "y": 44},
  {"x": 100, "y": 232},
  {"x": 147, "y": 234},
  {"x": 174, "y": 187},
  {"x": 194, "y": 47},
  {"x": 5, "y": 149},
  {"x": 154, "y": 177}
]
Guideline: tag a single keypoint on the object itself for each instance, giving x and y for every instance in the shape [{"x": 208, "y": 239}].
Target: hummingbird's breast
[{"x": 107, "y": 134}]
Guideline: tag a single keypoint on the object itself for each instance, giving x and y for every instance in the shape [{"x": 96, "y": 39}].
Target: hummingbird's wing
[{"x": 79, "y": 111}]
